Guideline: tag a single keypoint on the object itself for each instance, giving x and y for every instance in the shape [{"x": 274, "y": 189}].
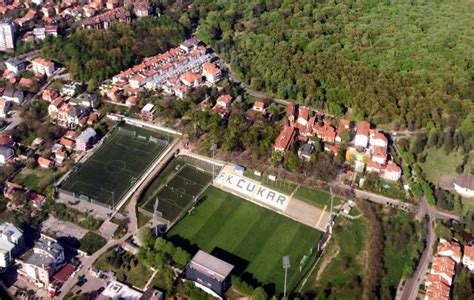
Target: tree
[
  {"x": 259, "y": 294},
  {"x": 146, "y": 238},
  {"x": 292, "y": 161}
]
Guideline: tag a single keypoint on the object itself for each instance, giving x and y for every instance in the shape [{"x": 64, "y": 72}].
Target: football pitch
[
  {"x": 176, "y": 195},
  {"x": 254, "y": 237},
  {"x": 112, "y": 169}
]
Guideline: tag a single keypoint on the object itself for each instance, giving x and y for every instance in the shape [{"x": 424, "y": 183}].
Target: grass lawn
[
  {"x": 316, "y": 198},
  {"x": 92, "y": 242},
  {"x": 142, "y": 219},
  {"x": 341, "y": 278},
  {"x": 278, "y": 185},
  {"x": 136, "y": 275},
  {"x": 251, "y": 237},
  {"x": 438, "y": 162},
  {"x": 113, "y": 168}
]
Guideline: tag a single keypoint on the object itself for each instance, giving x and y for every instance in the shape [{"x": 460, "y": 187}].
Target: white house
[
  {"x": 450, "y": 249},
  {"x": 12, "y": 243},
  {"x": 464, "y": 185},
  {"x": 70, "y": 89},
  {"x": 212, "y": 73},
  {"x": 378, "y": 139},
  {"x": 362, "y": 134},
  {"x": 43, "y": 66},
  {"x": 46, "y": 259},
  {"x": 468, "y": 257},
  {"x": 14, "y": 65},
  {"x": 392, "y": 172}
]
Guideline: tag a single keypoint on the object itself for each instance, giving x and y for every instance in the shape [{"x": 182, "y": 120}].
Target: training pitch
[
  {"x": 251, "y": 237},
  {"x": 114, "y": 168},
  {"x": 177, "y": 194}
]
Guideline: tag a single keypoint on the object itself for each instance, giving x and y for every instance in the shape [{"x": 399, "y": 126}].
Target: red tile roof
[
  {"x": 211, "y": 69},
  {"x": 285, "y": 138},
  {"x": 304, "y": 113},
  {"x": 64, "y": 273},
  {"x": 363, "y": 128}
]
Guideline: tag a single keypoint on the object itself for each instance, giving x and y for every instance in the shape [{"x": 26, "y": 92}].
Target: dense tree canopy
[
  {"x": 92, "y": 55},
  {"x": 392, "y": 62}
]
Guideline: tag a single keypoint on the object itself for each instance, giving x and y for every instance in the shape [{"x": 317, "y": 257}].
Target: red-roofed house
[
  {"x": 285, "y": 139},
  {"x": 191, "y": 79},
  {"x": 67, "y": 143},
  {"x": 59, "y": 157},
  {"x": 379, "y": 154},
  {"x": 259, "y": 106},
  {"x": 223, "y": 104},
  {"x": 436, "y": 288},
  {"x": 211, "y": 72},
  {"x": 450, "y": 249},
  {"x": 303, "y": 116},
  {"x": 374, "y": 167},
  {"x": 132, "y": 101},
  {"x": 325, "y": 132},
  {"x": 468, "y": 257},
  {"x": 332, "y": 148},
  {"x": 291, "y": 113},
  {"x": 342, "y": 128},
  {"x": 37, "y": 200},
  {"x": 392, "y": 172},
  {"x": 362, "y": 134},
  {"x": 378, "y": 139},
  {"x": 49, "y": 95},
  {"x": 137, "y": 81},
  {"x": 444, "y": 267},
  {"x": 44, "y": 162},
  {"x": 54, "y": 106}
]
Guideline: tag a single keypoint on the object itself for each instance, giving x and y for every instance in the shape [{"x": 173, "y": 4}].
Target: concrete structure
[
  {"x": 464, "y": 185},
  {"x": 43, "y": 66},
  {"x": 118, "y": 290},
  {"x": 209, "y": 272},
  {"x": 7, "y": 36},
  {"x": 5, "y": 154},
  {"x": 12, "y": 243}
]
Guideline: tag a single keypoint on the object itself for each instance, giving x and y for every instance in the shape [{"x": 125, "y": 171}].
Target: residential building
[
  {"x": 436, "y": 288},
  {"x": 45, "y": 163},
  {"x": 464, "y": 185},
  {"x": 13, "y": 95},
  {"x": 305, "y": 151},
  {"x": 46, "y": 259},
  {"x": 223, "y": 105},
  {"x": 12, "y": 243},
  {"x": 212, "y": 72},
  {"x": 450, "y": 249},
  {"x": 118, "y": 290},
  {"x": 43, "y": 66},
  {"x": 209, "y": 272},
  {"x": 259, "y": 106},
  {"x": 303, "y": 116},
  {"x": 285, "y": 139},
  {"x": 468, "y": 257},
  {"x": 362, "y": 134},
  {"x": 15, "y": 65},
  {"x": 5, "y": 107},
  {"x": 86, "y": 139},
  {"x": 7, "y": 36},
  {"x": 148, "y": 112},
  {"x": 55, "y": 105},
  {"x": 191, "y": 79},
  {"x": 378, "y": 139},
  {"x": 49, "y": 95},
  {"x": 106, "y": 19},
  {"x": 342, "y": 129},
  {"x": 325, "y": 132},
  {"x": 85, "y": 100},
  {"x": 444, "y": 267},
  {"x": 7, "y": 141},
  {"x": 379, "y": 154},
  {"x": 190, "y": 44},
  {"x": 6, "y": 154},
  {"x": 67, "y": 143},
  {"x": 71, "y": 89}
]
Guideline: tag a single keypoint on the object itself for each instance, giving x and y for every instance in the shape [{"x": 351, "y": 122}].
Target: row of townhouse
[
  {"x": 366, "y": 146},
  {"x": 443, "y": 268},
  {"x": 75, "y": 111},
  {"x": 176, "y": 71}
]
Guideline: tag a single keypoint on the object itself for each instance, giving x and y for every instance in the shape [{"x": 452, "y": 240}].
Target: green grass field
[
  {"x": 433, "y": 166},
  {"x": 112, "y": 169},
  {"x": 176, "y": 195},
  {"x": 225, "y": 223},
  {"x": 316, "y": 198}
]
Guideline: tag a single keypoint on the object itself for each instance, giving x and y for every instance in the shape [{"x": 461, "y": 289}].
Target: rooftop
[{"x": 208, "y": 264}]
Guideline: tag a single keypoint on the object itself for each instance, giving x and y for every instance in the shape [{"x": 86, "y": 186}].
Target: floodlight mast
[
  {"x": 213, "y": 149},
  {"x": 155, "y": 214},
  {"x": 286, "y": 266}
]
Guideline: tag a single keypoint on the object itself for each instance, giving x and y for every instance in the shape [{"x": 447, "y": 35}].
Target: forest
[
  {"x": 397, "y": 63},
  {"x": 92, "y": 55}
]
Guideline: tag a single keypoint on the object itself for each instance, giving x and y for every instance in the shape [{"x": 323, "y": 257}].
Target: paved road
[{"x": 412, "y": 285}]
